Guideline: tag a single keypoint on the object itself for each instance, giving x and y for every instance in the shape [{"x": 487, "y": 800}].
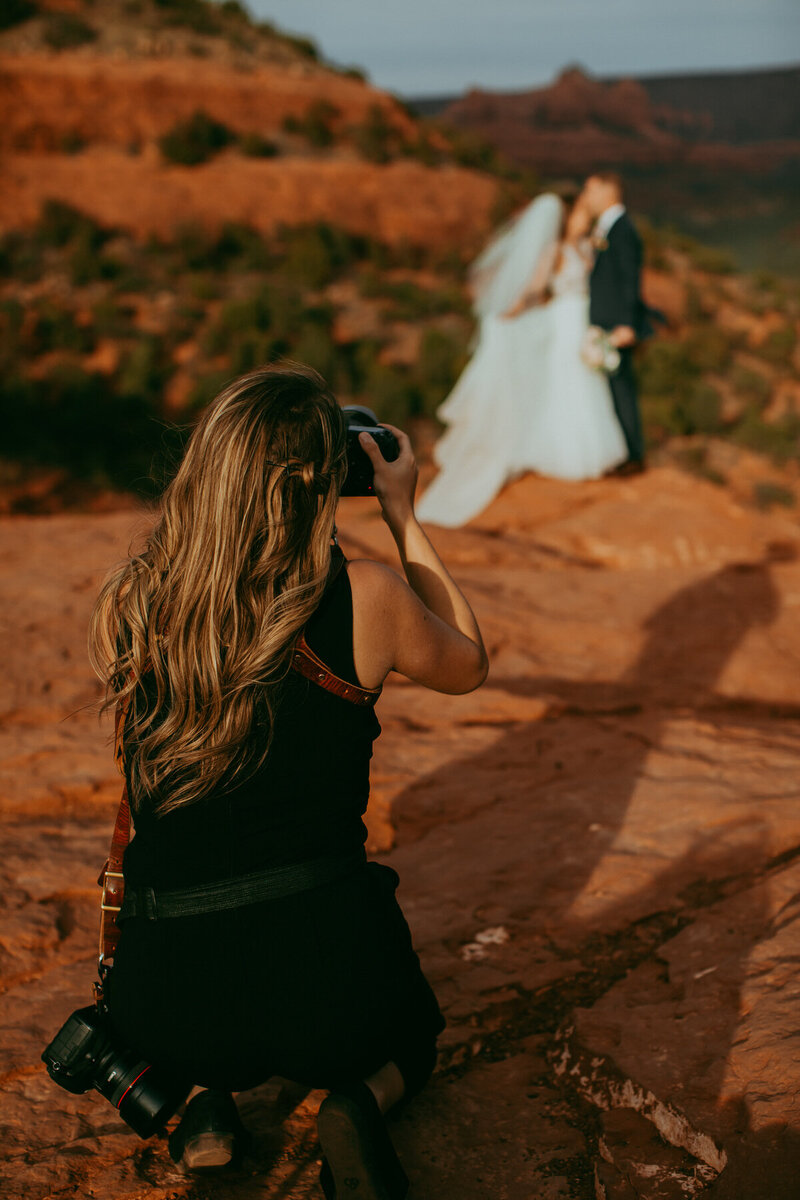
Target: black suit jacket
[{"x": 614, "y": 285}]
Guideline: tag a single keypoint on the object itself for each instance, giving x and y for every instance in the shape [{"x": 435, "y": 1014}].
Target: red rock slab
[{"x": 402, "y": 201}]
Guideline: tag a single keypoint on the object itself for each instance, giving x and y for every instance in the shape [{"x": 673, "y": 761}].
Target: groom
[{"x": 615, "y": 302}]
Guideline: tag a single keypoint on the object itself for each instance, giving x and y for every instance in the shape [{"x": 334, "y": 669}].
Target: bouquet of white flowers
[{"x": 597, "y": 351}]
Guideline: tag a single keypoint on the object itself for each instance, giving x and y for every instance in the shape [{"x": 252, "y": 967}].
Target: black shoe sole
[
  {"x": 359, "y": 1152},
  {"x": 209, "y": 1136}
]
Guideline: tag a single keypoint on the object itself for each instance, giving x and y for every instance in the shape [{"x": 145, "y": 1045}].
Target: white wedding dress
[{"x": 526, "y": 400}]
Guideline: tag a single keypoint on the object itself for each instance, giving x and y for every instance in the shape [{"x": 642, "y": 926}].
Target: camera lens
[{"x": 143, "y": 1095}]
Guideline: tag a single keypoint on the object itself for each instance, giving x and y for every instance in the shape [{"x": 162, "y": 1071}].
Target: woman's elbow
[{"x": 474, "y": 671}]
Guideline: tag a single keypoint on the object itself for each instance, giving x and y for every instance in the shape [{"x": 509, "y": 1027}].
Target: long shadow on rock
[{"x": 688, "y": 642}]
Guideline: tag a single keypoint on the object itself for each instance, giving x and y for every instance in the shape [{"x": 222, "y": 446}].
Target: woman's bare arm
[{"x": 424, "y": 628}]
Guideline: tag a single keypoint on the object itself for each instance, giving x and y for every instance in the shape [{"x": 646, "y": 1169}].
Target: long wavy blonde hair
[{"x": 235, "y": 565}]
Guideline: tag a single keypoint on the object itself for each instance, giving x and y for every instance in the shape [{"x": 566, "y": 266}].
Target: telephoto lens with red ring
[{"x": 84, "y": 1054}]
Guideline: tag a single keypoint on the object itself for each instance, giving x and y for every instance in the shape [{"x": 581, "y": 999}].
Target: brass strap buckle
[{"x": 106, "y": 876}]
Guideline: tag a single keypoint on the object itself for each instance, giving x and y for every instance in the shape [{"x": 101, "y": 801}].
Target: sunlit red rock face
[
  {"x": 44, "y": 98},
  {"x": 117, "y": 109},
  {"x": 598, "y": 855},
  {"x": 400, "y": 202}
]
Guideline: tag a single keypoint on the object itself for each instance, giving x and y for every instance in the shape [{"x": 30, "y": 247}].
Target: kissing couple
[{"x": 550, "y": 386}]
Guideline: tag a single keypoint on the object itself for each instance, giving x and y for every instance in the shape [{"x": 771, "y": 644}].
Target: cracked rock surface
[{"x": 599, "y": 856}]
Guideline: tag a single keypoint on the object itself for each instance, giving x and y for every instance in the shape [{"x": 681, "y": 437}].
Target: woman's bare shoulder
[{"x": 371, "y": 580}]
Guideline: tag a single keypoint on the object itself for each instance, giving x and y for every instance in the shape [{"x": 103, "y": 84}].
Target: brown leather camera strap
[
  {"x": 307, "y": 663},
  {"x": 111, "y": 879}
]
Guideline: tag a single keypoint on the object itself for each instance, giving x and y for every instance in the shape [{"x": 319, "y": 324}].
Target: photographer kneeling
[{"x": 256, "y": 940}]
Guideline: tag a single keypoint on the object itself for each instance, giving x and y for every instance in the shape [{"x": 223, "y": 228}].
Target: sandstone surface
[{"x": 598, "y": 854}]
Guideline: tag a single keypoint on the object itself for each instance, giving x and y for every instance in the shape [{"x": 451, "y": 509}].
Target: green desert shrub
[
  {"x": 376, "y": 138},
  {"x": 675, "y": 399},
  {"x": 709, "y": 348},
  {"x": 72, "y": 419},
  {"x": 710, "y": 260},
  {"x": 232, "y": 8},
  {"x": 409, "y": 301},
  {"x": 441, "y": 359},
  {"x": 196, "y": 15},
  {"x": 391, "y": 392},
  {"x": 779, "y": 346},
  {"x": 316, "y": 254},
  {"x": 694, "y": 460},
  {"x": 751, "y": 386},
  {"x": 767, "y": 494},
  {"x": 195, "y": 140},
  {"x": 779, "y": 440},
  {"x": 55, "y": 328},
  {"x": 113, "y": 319},
  {"x": 315, "y": 347},
  {"x": 303, "y": 45},
  {"x": 254, "y": 145},
  {"x": 12, "y": 319},
  {"x": 14, "y": 12},
  {"x": 65, "y": 31},
  {"x": 88, "y": 263},
  {"x": 144, "y": 371},
  {"x": 21, "y": 257},
  {"x": 60, "y": 225},
  {"x": 316, "y": 124},
  {"x": 208, "y": 386}
]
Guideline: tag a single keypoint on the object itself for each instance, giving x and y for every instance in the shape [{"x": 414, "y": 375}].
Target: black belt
[{"x": 236, "y": 893}]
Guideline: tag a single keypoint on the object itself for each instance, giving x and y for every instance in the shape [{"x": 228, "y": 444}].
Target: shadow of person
[{"x": 518, "y": 815}]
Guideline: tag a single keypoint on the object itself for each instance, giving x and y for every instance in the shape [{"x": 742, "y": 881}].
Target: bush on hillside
[
  {"x": 21, "y": 257},
  {"x": 316, "y": 254},
  {"x": 376, "y": 138},
  {"x": 232, "y": 8},
  {"x": 694, "y": 459},
  {"x": 675, "y": 400},
  {"x": 409, "y": 301},
  {"x": 303, "y": 45},
  {"x": 766, "y": 494},
  {"x": 196, "y": 15},
  {"x": 441, "y": 360},
  {"x": 55, "y": 328},
  {"x": 779, "y": 440},
  {"x": 779, "y": 346},
  {"x": 65, "y": 31},
  {"x": 751, "y": 386},
  {"x": 709, "y": 348},
  {"x": 253, "y": 145},
  {"x": 316, "y": 124},
  {"x": 195, "y": 140},
  {"x": 14, "y": 12},
  {"x": 73, "y": 419},
  {"x": 710, "y": 260},
  {"x": 144, "y": 372},
  {"x": 61, "y": 225}
]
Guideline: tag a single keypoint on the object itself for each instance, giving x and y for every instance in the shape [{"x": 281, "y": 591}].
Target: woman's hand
[{"x": 394, "y": 482}]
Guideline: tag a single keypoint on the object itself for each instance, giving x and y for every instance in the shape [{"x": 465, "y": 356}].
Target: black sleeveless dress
[{"x": 322, "y": 986}]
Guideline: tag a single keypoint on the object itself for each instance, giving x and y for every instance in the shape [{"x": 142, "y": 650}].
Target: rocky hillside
[
  {"x": 189, "y": 193},
  {"x": 144, "y": 112}
]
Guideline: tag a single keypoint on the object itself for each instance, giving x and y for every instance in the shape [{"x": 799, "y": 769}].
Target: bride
[{"x": 526, "y": 400}]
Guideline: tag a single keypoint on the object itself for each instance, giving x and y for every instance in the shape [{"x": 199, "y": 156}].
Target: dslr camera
[
  {"x": 84, "y": 1055},
  {"x": 359, "y": 480}
]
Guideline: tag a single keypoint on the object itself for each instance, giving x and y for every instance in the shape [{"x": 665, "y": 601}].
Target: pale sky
[{"x": 429, "y": 47}]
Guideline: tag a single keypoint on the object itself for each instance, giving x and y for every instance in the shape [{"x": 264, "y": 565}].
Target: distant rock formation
[{"x": 747, "y": 121}]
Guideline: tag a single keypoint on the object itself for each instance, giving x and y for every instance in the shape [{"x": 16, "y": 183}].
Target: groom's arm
[{"x": 628, "y": 255}]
